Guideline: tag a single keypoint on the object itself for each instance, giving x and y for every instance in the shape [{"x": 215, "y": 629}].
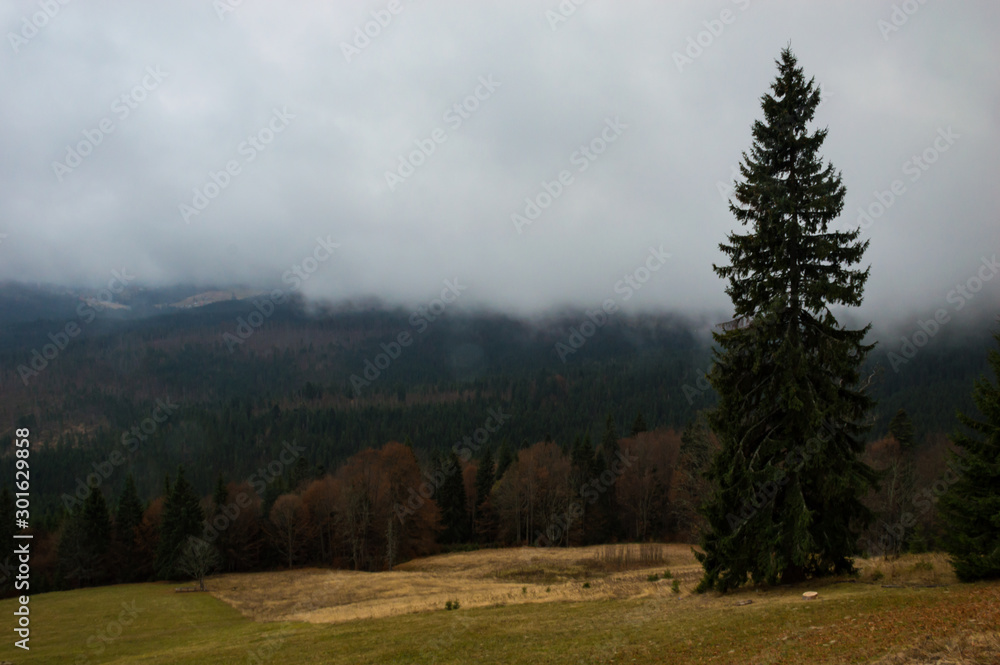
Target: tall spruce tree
[
  {"x": 85, "y": 542},
  {"x": 504, "y": 459},
  {"x": 128, "y": 517},
  {"x": 451, "y": 499},
  {"x": 182, "y": 518},
  {"x": 639, "y": 426},
  {"x": 971, "y": 507},
  {"x": 791, "y": 414},
  {"x": 483, "y": 517},
  {"x": 604, "y": 520},
  {"x": 901, "y": 429}
]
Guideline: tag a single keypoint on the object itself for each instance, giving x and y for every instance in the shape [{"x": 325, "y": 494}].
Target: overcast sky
[{"x": 114, "y": 115}]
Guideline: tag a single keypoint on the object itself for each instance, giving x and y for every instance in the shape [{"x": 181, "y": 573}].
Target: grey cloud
[{"x": 325, "y": 173}]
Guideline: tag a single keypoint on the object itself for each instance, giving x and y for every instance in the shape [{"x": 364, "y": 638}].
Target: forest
[{"x": 139, "y": 409}]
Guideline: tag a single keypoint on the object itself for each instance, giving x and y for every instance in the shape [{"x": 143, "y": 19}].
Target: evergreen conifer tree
[
  {"x": 452, "y": 502},
  {"x": 504, "y": 459},
  {"x": 484, "y": 519},
  {"x": 128, "y": 517},
  {"x": 182, "y": 517},
  {"x": 791, "y": 414},
  {"x": 971, "y": 507},
  {"x": 901, "y": 429},
  {"x": 639, "y": 426}
]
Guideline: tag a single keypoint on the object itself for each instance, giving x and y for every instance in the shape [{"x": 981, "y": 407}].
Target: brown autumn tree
[
  {"x": 320, "y": 499},
  {"x": 289, "y": 527},
  {"x": 533, "y": 499},
  {"x": 643, "y": 488},
  {"x": 382, "y": 514}
]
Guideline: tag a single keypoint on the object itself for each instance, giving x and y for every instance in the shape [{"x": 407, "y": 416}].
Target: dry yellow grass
[
  {"x": 485, "y": 578},
  {"x": 930, "y": 568},
  {"x": 490, "y": 578}
]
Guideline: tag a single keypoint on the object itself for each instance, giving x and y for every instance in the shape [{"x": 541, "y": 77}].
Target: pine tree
[
  {"x": 220, "y": 495},
  {"x": 85, "y": 542},
  {"x": 504, "y": 459},
  {"x": 484, "y": 518},
  {"x": 97, "y": 522},
  {"x": 451, "y": 500},
  {"x": 605, "y": 522},
  {"x": 182, "y": 517},
  {"x": 639, "y": 426},
  {"x": 901, "y": 429},
  {"x": 971, "y": 507},
  {"x": 609, "y": 441},
  {"x": 790, "y": 416},
  {"x": 128, "y": 517}
]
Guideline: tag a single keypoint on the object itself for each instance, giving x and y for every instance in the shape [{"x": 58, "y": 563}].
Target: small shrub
[
  {"x": 586, "y": 585},
  {"x": 877, "y": 575},
  {"x": 547, "y": 589},
  {"x": 447, "y": 605},
  {"x": 676, "y": 586},
  {"x": 451, "y": 605},
  {"x": 653, "y": 578},
  {"x": 524, "y": 589},
  {"x": 667, "y": 575}
]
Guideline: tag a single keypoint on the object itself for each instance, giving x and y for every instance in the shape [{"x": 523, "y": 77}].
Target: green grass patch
[{"x": 850, "y": 623}]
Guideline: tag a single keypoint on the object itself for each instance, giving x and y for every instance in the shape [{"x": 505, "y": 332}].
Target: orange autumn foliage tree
[{"x": 375, "y": 512}]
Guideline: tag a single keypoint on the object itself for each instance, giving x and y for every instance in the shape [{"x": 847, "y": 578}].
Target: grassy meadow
[{"x": 582, "y": 605}]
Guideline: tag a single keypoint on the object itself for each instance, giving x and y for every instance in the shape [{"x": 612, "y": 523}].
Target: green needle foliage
[
  {"x": 791, "y": 412},
  {"x": 971, "y": 508}
]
